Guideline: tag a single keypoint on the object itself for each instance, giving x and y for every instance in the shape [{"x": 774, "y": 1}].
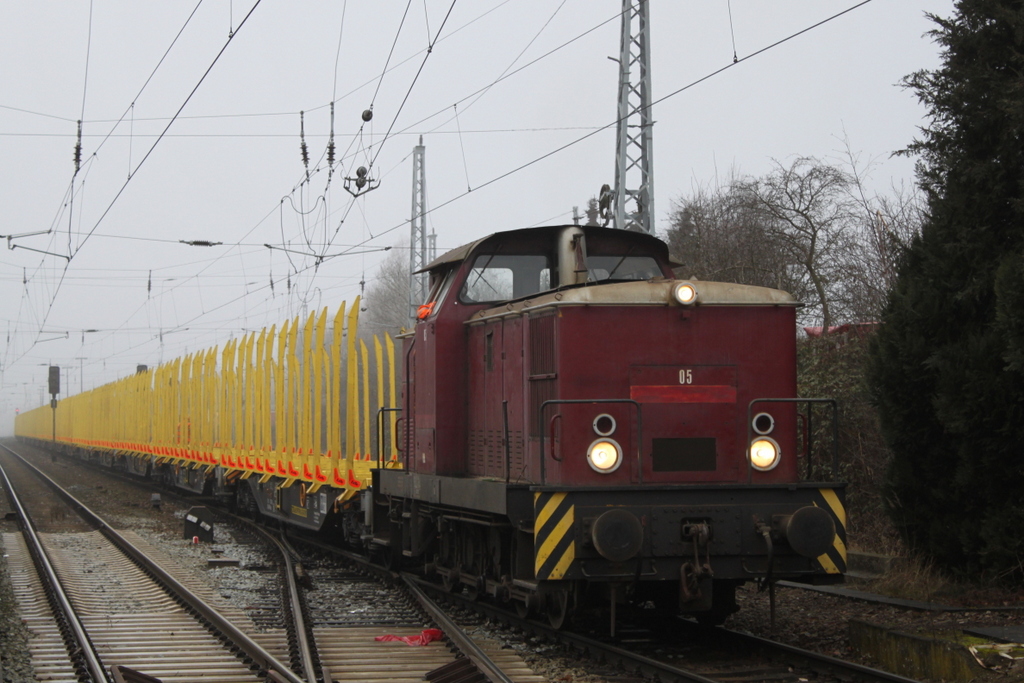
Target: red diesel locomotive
[{"x": 579, "y": 427}]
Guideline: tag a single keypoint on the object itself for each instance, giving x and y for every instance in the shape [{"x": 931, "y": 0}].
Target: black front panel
[{"x": 684, "y": 455}]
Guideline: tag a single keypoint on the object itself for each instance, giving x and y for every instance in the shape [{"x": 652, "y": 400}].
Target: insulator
[
  {"x": 361, "y": 172},
  {"x": 330, "y": 143},
  {"x": 302, "y": 138},
  {"x": 78, "y": 149},
  {"x": 360, "y": 183},
  {"x": 367, "y": 114}
]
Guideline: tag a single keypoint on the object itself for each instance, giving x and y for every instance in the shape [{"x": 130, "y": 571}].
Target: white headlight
[
  {"x": 685, "y": 293},
  {"x": 764, "y": 453},
  {"x": 604, "y": 455}
]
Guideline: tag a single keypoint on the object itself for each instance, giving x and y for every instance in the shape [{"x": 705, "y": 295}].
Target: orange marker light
[{"x": 425, "y": 310}]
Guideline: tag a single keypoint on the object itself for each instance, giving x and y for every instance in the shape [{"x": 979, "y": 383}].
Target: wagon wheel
[
  {"x": 391, "y": 555},
  {"x": 473, "y": 591},
  {"x": 558, "y": 608},
  {"x": 450, "y": 580}
]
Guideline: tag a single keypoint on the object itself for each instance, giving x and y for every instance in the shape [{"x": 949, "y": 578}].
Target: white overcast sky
[{"x": 229, "y": 168}]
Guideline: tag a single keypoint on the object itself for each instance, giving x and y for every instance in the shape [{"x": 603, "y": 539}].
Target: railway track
[
  {"x": 349, "y": 608},
  {"x": 681, "y": 650},
  {"x": 132, "y": 611},
  {"x": 337, "y": 643}
]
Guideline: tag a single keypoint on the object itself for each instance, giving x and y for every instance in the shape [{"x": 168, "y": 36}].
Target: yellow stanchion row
[{"x": 269, "y": 404}]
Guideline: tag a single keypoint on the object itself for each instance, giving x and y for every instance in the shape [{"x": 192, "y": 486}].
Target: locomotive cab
[{"x": 578, "y": 425}]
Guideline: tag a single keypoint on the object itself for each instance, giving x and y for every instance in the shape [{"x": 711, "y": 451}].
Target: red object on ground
[{"x": 428, "y": 636}]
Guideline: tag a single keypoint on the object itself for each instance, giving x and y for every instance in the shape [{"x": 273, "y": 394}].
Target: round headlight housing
[
  {"x": 764, "y": 453},
  {"x": 604, "y": 425},
  {"x": 685, "y": 293},
  {"x": 604, "y": 456},
  {"x": 763, "y": 423}
]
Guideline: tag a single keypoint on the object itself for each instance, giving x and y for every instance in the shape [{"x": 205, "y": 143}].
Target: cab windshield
[
  {"x": 626, "y": 267},
  {"x": 502, "y": 277}
]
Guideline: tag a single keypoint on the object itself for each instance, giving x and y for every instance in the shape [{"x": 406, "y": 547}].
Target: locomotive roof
[{"x": 460, "y": 253}]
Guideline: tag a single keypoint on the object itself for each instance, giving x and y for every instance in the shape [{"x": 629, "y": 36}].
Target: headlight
[
  {"x": 764, "y": 454},
  {"x": 604, "y": 455},
  {"x": 685, "y": 293}
]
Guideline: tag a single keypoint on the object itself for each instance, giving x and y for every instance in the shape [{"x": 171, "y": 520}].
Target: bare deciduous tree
[
  {"x": 810, "y": 228},
  {"x": 807, "y": 208},
  {"x": 716, "y": 237},
  {"x": 387, "y": 297}
]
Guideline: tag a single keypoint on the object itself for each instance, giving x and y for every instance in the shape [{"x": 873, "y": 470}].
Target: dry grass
[{"x": 914, "y": 578}]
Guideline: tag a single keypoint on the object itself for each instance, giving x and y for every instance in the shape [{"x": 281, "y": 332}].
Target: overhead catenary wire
[
  {"x": 170, "y": 123},
  {"x": 615, "y": 122},
  {"x": 53, "y": 296},
  {"x": 430, "y": 49},
  {"x": 515, "y": 170},
  {"x": 594, "y": 131},
  {"x": 70, "y": 193}
]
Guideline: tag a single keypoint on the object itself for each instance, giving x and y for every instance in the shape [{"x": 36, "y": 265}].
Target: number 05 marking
[{"x": 686, "y": 376}]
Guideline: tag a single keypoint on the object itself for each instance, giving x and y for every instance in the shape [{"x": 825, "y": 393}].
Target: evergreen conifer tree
[{"x": 947, "y": 366}]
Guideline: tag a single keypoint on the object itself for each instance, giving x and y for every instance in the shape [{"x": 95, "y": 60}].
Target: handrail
[{"x": 380, "y": 433}]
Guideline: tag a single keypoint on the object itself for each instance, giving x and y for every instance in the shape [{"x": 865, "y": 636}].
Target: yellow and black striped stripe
[
  {"x": 833, "y": 561},
  {"x": 554, "y": 539}
]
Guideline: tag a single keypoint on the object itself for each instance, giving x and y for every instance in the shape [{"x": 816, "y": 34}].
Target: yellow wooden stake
[
  {"x": 352, "y": 394},
  {"x": 379, "y": 424},
  {"x": 279, "y": 390},
  {"x": 334, "y": 411},
  {"x": 393, "y": 397},
  {"x": 366, "y": 401}
]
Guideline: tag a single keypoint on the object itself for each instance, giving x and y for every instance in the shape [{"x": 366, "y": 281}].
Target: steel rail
[
  {"x": 78, "y": 632},
  {"x": 255, "y": 652},
  {"x": 464, "y": 643},
  {"x": 302, "y": 633},
  {"x": 664, "y": 671},
  {"x": 813, "y": 659},
  {"x": 588, "y": 646},
  {"x": 487, "y": 667}
]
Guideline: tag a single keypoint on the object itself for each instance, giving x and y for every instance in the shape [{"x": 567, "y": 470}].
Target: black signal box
[{"x": 54, "y": 380}]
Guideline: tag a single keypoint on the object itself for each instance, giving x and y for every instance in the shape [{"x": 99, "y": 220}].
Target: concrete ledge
[{"x": 914, "y": 656}]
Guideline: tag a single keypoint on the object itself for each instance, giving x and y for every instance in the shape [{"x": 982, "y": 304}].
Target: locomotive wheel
[
  {"x": 557, "y": 608},
  {"x": 522, "y": 609},
  {"x": 723, "y": 603}
]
